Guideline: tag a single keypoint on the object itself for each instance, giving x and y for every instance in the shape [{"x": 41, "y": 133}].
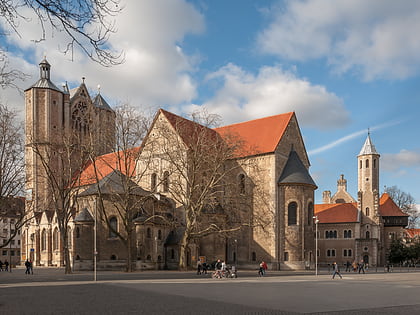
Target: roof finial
[
  {"x": 83, "y": 80},
  {"x": 99, "y": 89},
  {"x": 368, "y": 131}
]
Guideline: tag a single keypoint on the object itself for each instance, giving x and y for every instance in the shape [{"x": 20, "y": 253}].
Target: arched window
[
  {"x": 172, "y": 253},
  {"x": 159, "y": 234},
  {"x": 374, "y": 163},
  {"x": 292, "y": 213},
  {"x": 241, "y": 184},
  {"x": 367, "y": 212},
  {"x": 310, "y": 213},
  {"x": 166, "y": 181},
  {"x": 77, "y": 232},
  {"x": 149, "y": 233},
  {"x": 335, "y": 234},
  {"x": 153, "y": 181},
  {"x": 113, "y": 257},
  {"x": 254, "y": 256},
  {"x": 345, "y": 253},
  {"x": 149, "y": 258},
  {"x": 327, "y": 234},
  {"x": 345, "y": 234},
  {"x": 349, "y": 253},
  {"x": 367, "y": 234},
  {"x": 43, "y": 240},
  {"x": 349, "y": 233},
  {"x": 360, "y": 164},
  {"x": 69, "y": 237},
  {"x": 55, "y": 239},
  {"x": 113, "y": 227},
  {"x": 367, "y": 163}
]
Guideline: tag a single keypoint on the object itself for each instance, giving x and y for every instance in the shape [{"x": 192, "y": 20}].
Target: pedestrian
[
  {"x": 362, "y": 266},
  {"x": 6, "y": 265},
  {"x": 28, "y": 267},
  {"x": 348, "y": 266},
  {"x": 261, "y": 270},
  {"x": 199, "y": 266},
  {"x": 204, "y": 268},
  {"x": 1, "y": 265},
  {"x": 265, "y": 267},
  {"x": 336, "y": 270}
]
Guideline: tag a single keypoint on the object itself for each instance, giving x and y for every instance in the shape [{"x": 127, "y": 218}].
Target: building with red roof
[{"x": 362, "y": 230}]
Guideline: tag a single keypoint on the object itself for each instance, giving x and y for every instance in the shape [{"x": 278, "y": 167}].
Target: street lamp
[{"x": 316, "y": 244}]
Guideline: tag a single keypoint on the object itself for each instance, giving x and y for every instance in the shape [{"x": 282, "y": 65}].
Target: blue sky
[{"x": 342, "y": 66}]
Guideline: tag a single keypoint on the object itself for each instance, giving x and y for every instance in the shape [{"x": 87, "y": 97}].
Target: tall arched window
[
  {"x": 360, "y": 164},
  {"x": 292, "y": 213},
  {"x": 153, "y": 181},
  {"x": 310, "y": 213},
  {"x": 241, "y": 184},
  {"x": 149, "y": 233},
  {"x": 349, "y": 233},
  {"x": 43, "y": 240},
  {"x": 367, "y": 234},
  {"x": 254, "y": 256},
  {"x": 374, "y": 163},
  {"x": 166, "y": 181},
  {"x": 367, "y": 163},
  {"x": 113, "y": 227},
  {"x": 55, "y": 239},
  {"x": 367, "y": 212}
]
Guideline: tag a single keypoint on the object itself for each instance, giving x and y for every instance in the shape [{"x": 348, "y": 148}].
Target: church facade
[
  {"x": 272, "y": 145},
  {"x": 362, "y": 229},
  {"x": 268, "y": 193}
]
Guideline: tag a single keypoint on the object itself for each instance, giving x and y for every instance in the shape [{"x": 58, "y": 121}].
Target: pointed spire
[{"x": 368, "y": 147}]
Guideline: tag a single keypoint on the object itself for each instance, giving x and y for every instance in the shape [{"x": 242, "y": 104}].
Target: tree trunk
[
  {"x": 129, "y": 267},
  {"x": 183, "y": 252}
]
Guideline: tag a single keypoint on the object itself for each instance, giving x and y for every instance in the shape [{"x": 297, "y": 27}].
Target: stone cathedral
[{"x": 280, "y": 172}]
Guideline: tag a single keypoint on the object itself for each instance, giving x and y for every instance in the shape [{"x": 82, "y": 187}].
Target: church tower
[{"x": 368, "y": 181}]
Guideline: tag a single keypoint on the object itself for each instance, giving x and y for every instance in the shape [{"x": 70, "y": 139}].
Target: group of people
[
  {"x": 356, "y": 266},
  {"x": 5, "y": 265},
  {"x": 201, "y": 267}
]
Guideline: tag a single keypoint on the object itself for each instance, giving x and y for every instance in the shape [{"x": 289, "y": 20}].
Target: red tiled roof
[
  {"x": 190, "y": 132},
  {"x": 107, "y": 163},
  {"x": 260, "y": 135},
  {"x": 412, "y": 233},
  {"x": 388, "y": 208},
  {"x": 347, "y": 212},
  {"x": 336, "y": 212}
]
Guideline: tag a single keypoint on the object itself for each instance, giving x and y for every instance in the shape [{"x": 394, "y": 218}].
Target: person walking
[
  {"x": 348, "y": 265},
  {"x": 199, "y": 266},
  {"x": 6, "y": 265},
  {"x": 265, "y": 267},
  {"x": 362, "y": 266},
  {"x": 261, "y": 270},
  {"x": 28, "y": 267},
  {"x": 336, "y": 270}
]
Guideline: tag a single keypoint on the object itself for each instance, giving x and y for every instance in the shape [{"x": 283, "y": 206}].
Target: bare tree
[
  {"x": 406, "y": 203},
  {"x": 59, "y": 165},
  {"x": 120, "y": 195},
  {"x": 86, "y": 23},
  {"x": 12, "y": 174},
  {"x": 200, "y": 173}
]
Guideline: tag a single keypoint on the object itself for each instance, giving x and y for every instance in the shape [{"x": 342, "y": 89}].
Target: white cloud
[
  {"x": 156, "y": 69},
  {"x": 243, "y": 96},
  {"x": 376, "y": 38},
  {"x": 405, "y": 158}
]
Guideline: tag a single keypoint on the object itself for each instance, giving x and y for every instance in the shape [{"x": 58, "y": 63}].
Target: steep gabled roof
[
  {"x": 388, "y": 208},
  {"x": 260, "y": 135},
  {"x": 115, "y": 183},
  {"x": 107, "y": 163},
  {"x": 337, "y": 212},
  {"x": 294, "y": 172},
  {"x": 189, "y": 131},
  {"x": 100, "y": 102},
  {"x": 45, "y": 84},
  {"x": 84, "y": 216}
]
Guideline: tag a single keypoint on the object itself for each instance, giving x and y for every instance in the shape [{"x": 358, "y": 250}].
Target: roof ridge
[{"x": 256, "y": 119}]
